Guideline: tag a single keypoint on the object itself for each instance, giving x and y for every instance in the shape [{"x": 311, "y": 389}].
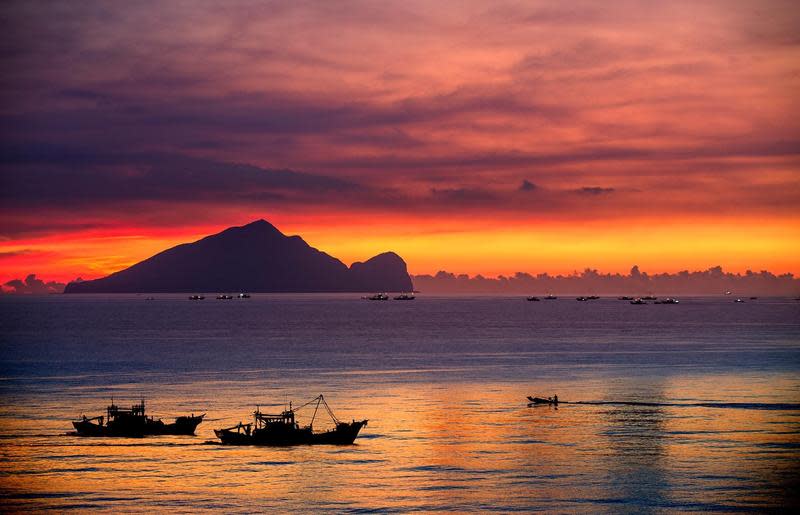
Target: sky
[{"x": 474, "y": 137}]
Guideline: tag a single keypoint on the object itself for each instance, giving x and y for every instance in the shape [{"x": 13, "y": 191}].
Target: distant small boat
[
  {"x": 550, "y": 297},
  {"x": 753, "y": 298},
  {"x": 649, "y": 297},
  {"x": 224, "y": 297},
  {"x": 196, "y": 297},
  {"x": 542, "y": 400},
  {"x": 738, "y": 300},
  {"x": 405, "y": 296},
  {"x": 378, "y": 296},
  {"x": 668, "y": 300},
  {"x": 244, "y": 295},
  {"x": 624, "y": 298},
  {"x": 581, "y": 299},
  {"x": 592, "y": 297},
  {"x": 638, "y": 301},
  {"x": 727, "y": 293},
  {"x": 533, "y": 299}
]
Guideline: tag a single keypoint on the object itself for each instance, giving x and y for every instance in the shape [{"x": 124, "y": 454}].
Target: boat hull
[
  {"x": 541, "y": 400},
  {"x": 343, "y": 434},
  {"x": 181, "y": 426}
]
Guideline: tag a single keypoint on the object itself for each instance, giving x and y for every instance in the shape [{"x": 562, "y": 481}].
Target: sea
[{"x": 683, "y": 407}]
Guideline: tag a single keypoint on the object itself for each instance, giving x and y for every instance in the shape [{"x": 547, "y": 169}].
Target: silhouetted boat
[
  {"x": 624, "y": 298},
  {"x": 533, "y": 299},
  {"x": 550, "y": 297},
  {"x": 581, "y": 299},
  {"x": 134, "y": 422},
  {"x": 668, "y": 300},
  {"x": 378, "y": 296},
  {"x": 405, "y": 296},
  {"x": 542, "y": 400},
  {"x": 649, "y": 297},
  {"x": 224, "y": 297},
  {"x": 753, "y": 298},
  {"x": 638, "y": 301},
  {"x": 196, "y": 297},
  {"x": 738, "y": 300},
  {"x": 244, "y": 295},
  {"x": 282, "y": 429}
]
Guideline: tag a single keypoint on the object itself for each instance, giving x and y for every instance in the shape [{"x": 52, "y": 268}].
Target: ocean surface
[{"x": 694, "y": 406}]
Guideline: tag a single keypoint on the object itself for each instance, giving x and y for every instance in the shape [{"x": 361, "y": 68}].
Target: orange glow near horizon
[{"x": 456, "y": 246}]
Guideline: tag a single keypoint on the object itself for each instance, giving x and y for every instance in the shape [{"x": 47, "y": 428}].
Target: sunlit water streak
[{"x": 689, "y": 407}]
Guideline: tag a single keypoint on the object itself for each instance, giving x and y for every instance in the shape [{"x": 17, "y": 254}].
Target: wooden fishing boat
[
  {"x": 542, "y": 400},
  {"x": 133, "y": 423},
  {"x": 282, "y": 429}
]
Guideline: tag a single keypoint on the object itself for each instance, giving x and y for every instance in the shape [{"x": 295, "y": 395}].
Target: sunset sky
[{"x": 475, "y": 137}]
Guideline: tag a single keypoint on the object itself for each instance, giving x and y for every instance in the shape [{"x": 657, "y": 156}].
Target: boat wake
[{"x": 780, "y": 406}]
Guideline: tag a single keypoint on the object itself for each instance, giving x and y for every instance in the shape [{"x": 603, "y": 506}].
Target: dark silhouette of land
[
  {"x": 713, "y": 281},
  {"x": 256, "y": 257}
]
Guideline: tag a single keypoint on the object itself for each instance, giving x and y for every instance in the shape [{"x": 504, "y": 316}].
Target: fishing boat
[
  {"x": 134, "y": 422},
  {"x": 282, "y": 429},
  {"x": 224, "y": 297},
  {"x": 196, "y": 297},
  {"x": 542, "y": 400},
  {"x": 378, "y": 296},
  {"x": 638, "y": 301},
  {"x": 550, "y": 297},
  {"x": 668, "y": 300},
  {"x": 624, "y": 298},
  {"x": 244, "y": 295},
  {"x": 533, "y": 299},
  {"x": 405, "y": 296}
]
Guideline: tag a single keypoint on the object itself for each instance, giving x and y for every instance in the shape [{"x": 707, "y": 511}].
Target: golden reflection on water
[{"x": 428, "y": 445}]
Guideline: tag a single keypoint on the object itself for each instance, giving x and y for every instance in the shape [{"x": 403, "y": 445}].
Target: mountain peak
[{"x": 259, "y": 225}]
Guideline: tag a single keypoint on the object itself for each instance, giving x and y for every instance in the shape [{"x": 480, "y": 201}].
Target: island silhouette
[{"x": 256, "y": 257}]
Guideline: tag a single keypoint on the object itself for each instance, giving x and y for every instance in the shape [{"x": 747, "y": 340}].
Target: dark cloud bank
[
  {"x": 32, "y": 285},
  {"x": 713, "y": 281}
]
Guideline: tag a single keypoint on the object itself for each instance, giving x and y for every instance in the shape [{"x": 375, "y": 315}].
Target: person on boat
[{"x": 555, "y": 399}]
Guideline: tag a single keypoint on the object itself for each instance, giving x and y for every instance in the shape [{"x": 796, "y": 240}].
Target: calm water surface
[{"x": 443, "y": 383}]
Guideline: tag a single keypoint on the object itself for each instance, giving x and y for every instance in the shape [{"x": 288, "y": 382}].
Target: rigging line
[
  {"x": 319, "y": 399},
  {"x": 306, "y": 404},
  {"x": 330, "y": 412}
]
